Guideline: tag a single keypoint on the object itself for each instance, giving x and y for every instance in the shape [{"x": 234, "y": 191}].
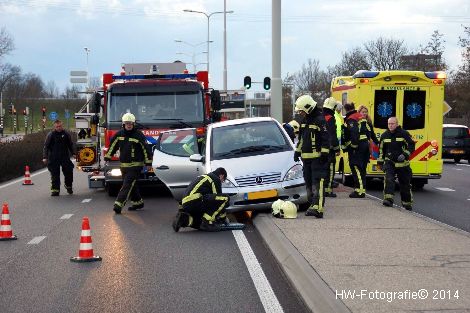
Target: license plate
[
  {"x": 261, "y": 194},
  {"x": 456, "y": 151}
]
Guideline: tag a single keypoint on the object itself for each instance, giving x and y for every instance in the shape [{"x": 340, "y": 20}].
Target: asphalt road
[
  {"x": 446, "y": 200},
  {"x": 146, "y": 266}
]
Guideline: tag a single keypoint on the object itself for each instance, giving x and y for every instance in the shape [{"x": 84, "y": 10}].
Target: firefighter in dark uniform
[
  {"x": 58, "y": 148},
  {"x": 203, "y": 204},
  {"x": 355, "y": 141},
  {"x": 134, "y": 154},
  {"x": 329, "y": 107},
  {"x": 396, "y": 146},
  {"x": 313, "y": 148}
]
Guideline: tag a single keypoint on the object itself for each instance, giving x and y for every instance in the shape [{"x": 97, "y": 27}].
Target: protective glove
[
  {"x": 401, "y": 158},
  {"x": 297, "y": 156}
]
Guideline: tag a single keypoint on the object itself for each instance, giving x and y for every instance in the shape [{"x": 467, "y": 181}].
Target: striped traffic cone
[
  {"x": 27, "y": 176},
  {"x": 5, "y": 225},
  {"x": 85, "y": 253}
]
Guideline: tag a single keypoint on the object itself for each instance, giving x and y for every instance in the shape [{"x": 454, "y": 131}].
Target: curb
[{"x": 314, "y": 291}]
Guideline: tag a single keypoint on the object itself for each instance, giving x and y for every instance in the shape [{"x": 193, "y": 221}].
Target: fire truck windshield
[{"x": 151, "y": 108}]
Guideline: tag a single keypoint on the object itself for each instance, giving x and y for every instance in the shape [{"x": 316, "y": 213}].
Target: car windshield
[
  {"x": 248, "y": 139},
  {"x": 455, "y": 132}
]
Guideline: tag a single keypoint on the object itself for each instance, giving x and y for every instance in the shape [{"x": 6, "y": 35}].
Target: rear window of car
[{"x": 455, "y": 132}]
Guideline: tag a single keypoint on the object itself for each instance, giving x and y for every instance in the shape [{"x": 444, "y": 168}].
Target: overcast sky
[{"x": 50, "y": 35}]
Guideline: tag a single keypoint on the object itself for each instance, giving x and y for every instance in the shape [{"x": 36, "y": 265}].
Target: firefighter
[
  {"x": 134, "y": 154},
  {"x": 355, "y": 141},
  {"x": 396, "y": 146},
  {"x": 313, "y": 148},
  {"x": 329, "y": 107},
  {"x": 56, "y": 154},
  {"x": 203, "y": 204}
]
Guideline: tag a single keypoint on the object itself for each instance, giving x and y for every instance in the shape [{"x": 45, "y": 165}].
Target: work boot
[
  {"x": 117, "y": 209},
  {"x": 206, "y": 226},
  {"x": 408, "y": 207},
  {"x": 355, "y": 194},
  {"x": 136, "y": 207},
  {"x": 181, "y": 220},
  {"x": 315, "y": 213},
  {"x": 69, "y": 190},
  {"x": 330, "y": 194},
  {"x": 54, "y": 194},
  {"x": 387, "y": 202},
  {"x": 334, "y": 184}
]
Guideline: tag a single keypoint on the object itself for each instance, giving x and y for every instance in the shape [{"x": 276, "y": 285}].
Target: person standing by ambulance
[
  {"x": 134, "y": 154},
  {"x": 329, "y": 112}
]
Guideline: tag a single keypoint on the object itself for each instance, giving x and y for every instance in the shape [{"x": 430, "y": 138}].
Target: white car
[{"x": 256, "y": 152}]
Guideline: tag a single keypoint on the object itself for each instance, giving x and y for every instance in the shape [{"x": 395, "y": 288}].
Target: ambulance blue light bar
[
  {"x": 156, "y": 76},
  {"x": 434, "y": 75},
  {"x": 365, "y": 74}
]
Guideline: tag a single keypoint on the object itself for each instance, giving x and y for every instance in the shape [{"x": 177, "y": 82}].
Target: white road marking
[
  {"x": 36, "y": 240},
  {"x": 265, "y": 292},
  {"x": 458, "y": 169},
  {"x": 462, "y": 164},
  {"x": 86, "y": 200},
  {"x": 22, "y": 179},
  {"x": 444, "y": 189},
  {"x": 66, "y": 216}
]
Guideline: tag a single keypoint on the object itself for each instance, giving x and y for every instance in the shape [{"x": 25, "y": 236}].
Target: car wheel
[{"x": 457, "y": 160}]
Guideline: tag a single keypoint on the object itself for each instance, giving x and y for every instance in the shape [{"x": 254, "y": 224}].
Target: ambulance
[{"x": 416, "y": 98}]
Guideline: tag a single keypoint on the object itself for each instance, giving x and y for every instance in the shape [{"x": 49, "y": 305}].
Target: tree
[
  {"x": 385, "y": 54},
  {"x": 51, "y": 90},
  {"x": 6, "y": 43},
  {"x": 311, "y": 79},
  {"x": 351, "y": 61},
  {"x": 427, "y": 58}
]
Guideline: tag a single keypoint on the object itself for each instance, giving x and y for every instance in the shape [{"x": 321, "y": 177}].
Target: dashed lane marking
[
  {"x": 444, "y": 189},
  {"x": 22, "y": 179},
  {"x": 66, "y": 216},
  {"x": 265, "y": 292},
  {"x": 36, "y": 240},
  {"x": 86, "y": 200},
  {"x": 462, "y": 164}
]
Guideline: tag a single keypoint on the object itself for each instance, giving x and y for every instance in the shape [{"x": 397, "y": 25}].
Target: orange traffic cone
[
  {"x": 85, "y": 253},
  {"x": 5, "y": 225},
  {"x": 27, "y": 176}
]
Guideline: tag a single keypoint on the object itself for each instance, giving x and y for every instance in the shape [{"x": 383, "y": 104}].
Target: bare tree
[
  {"x": 71, "y": 92},
  {"x": 351, "y": 61},
  {"x": 385, "y": 54},
  {"x": 311, "y": 79},
  {"x": 6, "y": 42},
  {"x": 51, "y": 90}
]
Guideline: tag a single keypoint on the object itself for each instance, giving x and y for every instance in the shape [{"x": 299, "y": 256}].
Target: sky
[{"x": 50, "y": 35}]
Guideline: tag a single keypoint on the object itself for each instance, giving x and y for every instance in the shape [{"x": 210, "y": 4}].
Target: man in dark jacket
[
  {"x": 329, "y": 107},
  {"x": 203, "y": 204},
  {"x": 134, "y": 154},
  {"x": 58, "y": 148},
  {"x": 396, "y": 146},
  {"x": 313, "y": 148}
]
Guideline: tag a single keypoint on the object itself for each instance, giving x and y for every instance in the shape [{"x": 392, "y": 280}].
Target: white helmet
[
  {"x": 305, "y": 103},
  {"x": 330, "y": 103},
  {"x": 128, "y": 117},
  {"x": 295, "y": 125},
  {"x": 284, "y": 209}
]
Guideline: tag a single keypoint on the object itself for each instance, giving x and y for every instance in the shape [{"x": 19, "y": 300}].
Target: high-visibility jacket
[
  {"x": 354, "y": 131},
  {"x": 394, "y": 144},
  {"x": 133, "y": 148},
  {"x": 331, "y": 128},
  {"x": 339, "y": 122},
  {"x": 313, "y": 136},
  {"x": 202, "y": 185}
]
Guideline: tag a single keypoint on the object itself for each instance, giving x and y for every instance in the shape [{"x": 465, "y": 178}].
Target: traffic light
[
  {"x": 247, "y": 82},
  {"x": 267, "y": 83},
  {"x": 10, "y": 109},
  {"x": 24, "y": 112}
]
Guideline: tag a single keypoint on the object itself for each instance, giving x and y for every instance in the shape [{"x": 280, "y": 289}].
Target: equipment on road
[
  {"x": 6, "y": 233},
  {"x": 231, "y": 226},
  {"x": 27, "y": 176},
  {"x": 85, "y": 253}
]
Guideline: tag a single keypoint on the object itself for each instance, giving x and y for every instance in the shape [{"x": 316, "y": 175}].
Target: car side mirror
[{"x": 196, "y": 158}]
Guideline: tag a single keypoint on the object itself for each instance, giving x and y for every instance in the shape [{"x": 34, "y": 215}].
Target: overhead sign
[
  {"x": 78, "y": 73},
  {"x": 53, "y": 116},
  {"x": 78, "y": 80}
]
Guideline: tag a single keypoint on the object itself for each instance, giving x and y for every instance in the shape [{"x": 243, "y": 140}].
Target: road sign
[
  {"x": 53, "y": 116},
  {"x": 446, "y": 108},
  {"x": 67, "y": 114},
  {"x": 78, "y": 73},
  {"x": 78, "y": 80}
]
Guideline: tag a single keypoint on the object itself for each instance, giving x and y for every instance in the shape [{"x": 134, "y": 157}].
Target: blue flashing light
[
  {"x": 365, "y": 74},
  {"x": 156, "y": 76},
  {"x": 434, "y": 75}
]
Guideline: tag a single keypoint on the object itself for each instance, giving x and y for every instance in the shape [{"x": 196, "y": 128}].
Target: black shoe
[
  {"x": 206, "y": 226},
  {"x": 408, "y": 207},
  {"x": 334, "y": 184},
  {"x": 136, "y": 207},
  {"x": 355, "y": 194},
  {"x": 181, "y": 220},
  {"x": 69, "y": 190},
  {"x": 387, "y": 202},
  {"x": 117, "y": 209},
  {"x": 315, "y": 213},
  {"x": 330, "y": 194},
  {"x": 54, "y": 194}
]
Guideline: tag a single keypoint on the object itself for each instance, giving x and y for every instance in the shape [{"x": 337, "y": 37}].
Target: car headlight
[
  {"x": 228, "y": 184},
  {"x": 295, "y": 172},
  {"x": 115, "y": 172}
]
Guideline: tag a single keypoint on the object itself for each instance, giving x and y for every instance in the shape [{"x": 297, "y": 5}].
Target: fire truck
[{"x": 162, "y": 96}]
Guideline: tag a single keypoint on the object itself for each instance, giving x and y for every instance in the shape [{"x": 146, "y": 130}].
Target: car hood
[{"x": 279, "y": 162}]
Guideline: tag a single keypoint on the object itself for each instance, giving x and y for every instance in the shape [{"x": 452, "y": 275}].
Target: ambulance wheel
[
  {"x": 457, "y": 160},
  {"x": 347, "y": 180},
  {"x": 418, "y": 183}
]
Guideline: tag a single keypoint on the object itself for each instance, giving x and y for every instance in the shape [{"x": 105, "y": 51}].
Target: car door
[{"x": 171, "y": 162}]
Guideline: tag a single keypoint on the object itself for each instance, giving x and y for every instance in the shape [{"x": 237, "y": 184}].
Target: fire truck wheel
[{"x": 113, "y": 189}]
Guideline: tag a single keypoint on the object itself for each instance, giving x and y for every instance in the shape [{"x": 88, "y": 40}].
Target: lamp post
[
  {"x": 208, "y": 15},
  {"x": 193, "y": 58},
  {"x": 87, "y": 51}
]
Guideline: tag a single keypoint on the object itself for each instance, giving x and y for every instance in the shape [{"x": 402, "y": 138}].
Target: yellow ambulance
[{"x": 416, "y": 98}]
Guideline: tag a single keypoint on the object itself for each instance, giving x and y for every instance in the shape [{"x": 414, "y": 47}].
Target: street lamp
[
  {"x": 87, "y": 51},
  {"x": 208, "y": 15},
  {"x": 193, "y": 58}
]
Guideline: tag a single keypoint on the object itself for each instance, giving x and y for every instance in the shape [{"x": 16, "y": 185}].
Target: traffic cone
[
  {"x": 5, "y": 225},
  {"x": 27, "y": 176},
  {"x": 85, "y": 253}
]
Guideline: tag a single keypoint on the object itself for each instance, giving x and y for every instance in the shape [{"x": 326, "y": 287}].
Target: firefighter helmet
[
  {"x": 330, "y": 103},
  {"x": 305, "y": 103},
  {"x": 295, "y": 125},
  {"x": 284, "y": 209},
  {"x": 128, "y": 117}
]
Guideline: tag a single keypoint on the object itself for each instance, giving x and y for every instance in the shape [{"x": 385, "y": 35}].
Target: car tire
[{"x": 457, "y": 160}]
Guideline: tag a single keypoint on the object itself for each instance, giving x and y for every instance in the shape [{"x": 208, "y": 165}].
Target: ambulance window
[
  {"x": 384, "y": 107},
  {"x": 414, "y": 106},
  {"x": 344, "y": 98}
]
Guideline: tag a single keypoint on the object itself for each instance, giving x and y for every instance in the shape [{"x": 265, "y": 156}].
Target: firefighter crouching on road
[
  {"x": 313, "y": 148},
  {"x": 355, "y": 141},
  {"x": 56, "y": 153},
  {"x": 396, "y": 146},
  {"x": 134, "y": 153},
  {"x": 329, "y": 112},
  {"x": 203, "y": 204}
]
